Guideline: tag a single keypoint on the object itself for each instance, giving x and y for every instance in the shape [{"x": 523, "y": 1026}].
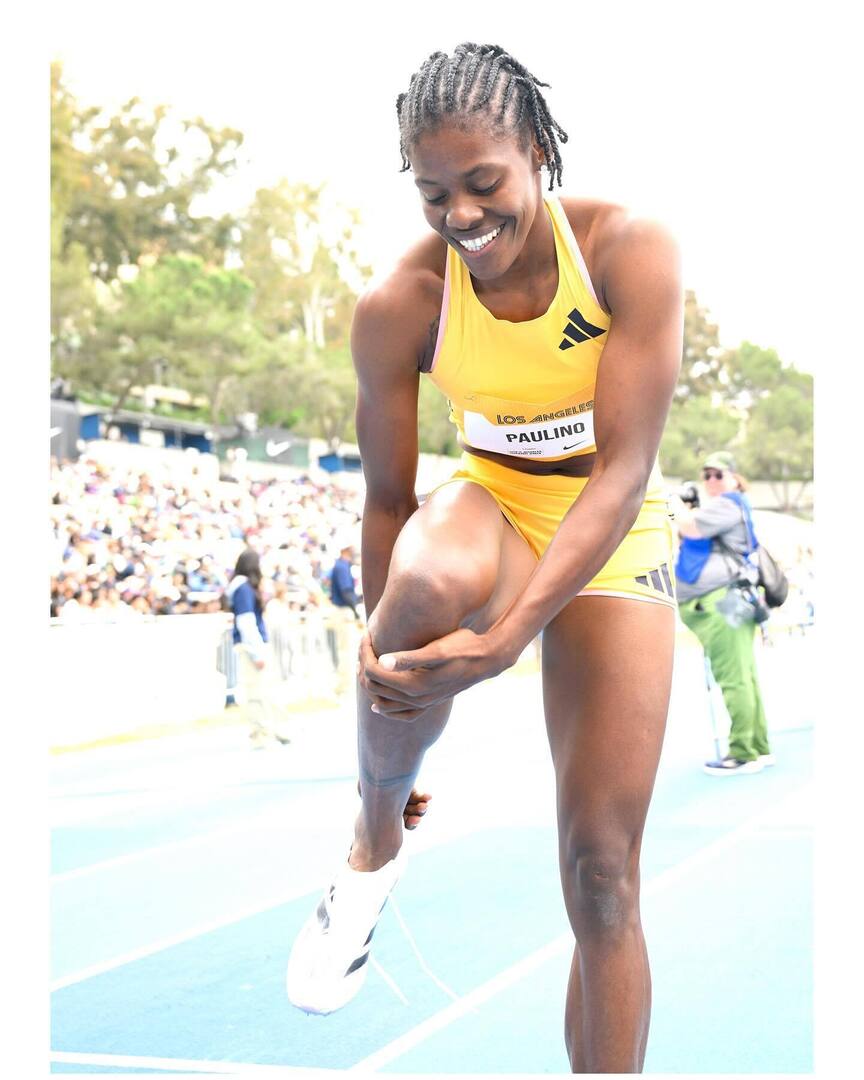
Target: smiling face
[{"x": 481, "y": 192}]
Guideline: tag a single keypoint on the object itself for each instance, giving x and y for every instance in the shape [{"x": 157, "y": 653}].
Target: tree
[
  {"x": 750, "y": 372},
  {"x": 702, "y": 356},
  {"x": 177, "y": 322},
  {"x": 436, "y": 434},
  {"x": 695, "y": 427},
  {"x": 324, "y": 388},
  {"x": 128, "y": 182},
  {"x": 73, "y": 294},
  {"x": 778, "y": 439},
  {"x": 302, "y": 258}
]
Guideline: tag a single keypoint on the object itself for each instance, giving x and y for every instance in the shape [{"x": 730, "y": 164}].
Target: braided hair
[{"x": 479, "y": 78}]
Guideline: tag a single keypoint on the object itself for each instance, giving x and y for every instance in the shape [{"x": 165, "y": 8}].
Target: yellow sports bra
[{"x": 525, "y": 388}]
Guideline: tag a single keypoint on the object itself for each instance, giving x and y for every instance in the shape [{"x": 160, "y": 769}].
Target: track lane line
[
  {"x": 232, "y": 1068},
  {"x": 562, "y": 944}
]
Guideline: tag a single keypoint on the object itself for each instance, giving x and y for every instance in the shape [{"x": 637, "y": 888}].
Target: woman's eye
[
  {"x": 486, "y": 190},
  {"x": 437, "y": 199}
]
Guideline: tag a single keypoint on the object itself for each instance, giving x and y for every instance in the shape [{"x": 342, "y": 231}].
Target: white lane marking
[
  {"x": 464, "y": 1005},
  {"x": 179, "y": 939},
  {"x": 504, "y": 979},
  {"x": 416, "y": 950},
  {"x": 232, "y": 1068},
  {"x": 161, "y": 849},
  {"x": 391, "y": 982}
]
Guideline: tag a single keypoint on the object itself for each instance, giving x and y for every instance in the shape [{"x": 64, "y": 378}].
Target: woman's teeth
[{"x": 479, "y": 242}]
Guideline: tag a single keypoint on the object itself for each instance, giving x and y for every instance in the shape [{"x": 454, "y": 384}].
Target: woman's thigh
[
  {"x": 607, "y": 671},
  {"x": 458, "y": 555}
]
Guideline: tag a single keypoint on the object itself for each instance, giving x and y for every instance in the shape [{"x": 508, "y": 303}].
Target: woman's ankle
[{"x": 369, "y": 854}]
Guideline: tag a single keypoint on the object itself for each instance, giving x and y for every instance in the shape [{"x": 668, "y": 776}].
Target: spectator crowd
[{"x": 127, "y": 542}]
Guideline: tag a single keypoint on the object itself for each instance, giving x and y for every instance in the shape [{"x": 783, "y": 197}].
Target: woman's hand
[{"x": 403, "y": 684}]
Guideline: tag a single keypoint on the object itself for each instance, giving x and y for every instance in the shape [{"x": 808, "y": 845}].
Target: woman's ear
[{"x": 537, "y": 155}]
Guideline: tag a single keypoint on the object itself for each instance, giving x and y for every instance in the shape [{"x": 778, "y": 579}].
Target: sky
[{"x": 698, "y": 114}]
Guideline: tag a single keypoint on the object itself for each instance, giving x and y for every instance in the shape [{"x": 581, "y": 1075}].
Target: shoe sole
[
  {"x": 348, "y": 989},
  {"x": 742, "y": 770}
]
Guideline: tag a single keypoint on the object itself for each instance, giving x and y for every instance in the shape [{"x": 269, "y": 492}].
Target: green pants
[{"x": 730, "y": 650}]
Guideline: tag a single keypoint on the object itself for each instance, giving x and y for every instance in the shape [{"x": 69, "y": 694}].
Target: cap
[{"x": 720, "y": 459}]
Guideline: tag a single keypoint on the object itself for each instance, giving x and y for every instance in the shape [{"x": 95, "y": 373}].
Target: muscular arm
[
  {"x": 384, "y": 345},
  {"x": 635, "y": 381}
]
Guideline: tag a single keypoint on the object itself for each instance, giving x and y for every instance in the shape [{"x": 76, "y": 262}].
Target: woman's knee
[
  {"x": 601, "y": 884},
  {"x": 423, "y": 602}
]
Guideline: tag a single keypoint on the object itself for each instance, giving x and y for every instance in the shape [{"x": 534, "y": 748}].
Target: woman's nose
[{"x": 463, "y": 215}]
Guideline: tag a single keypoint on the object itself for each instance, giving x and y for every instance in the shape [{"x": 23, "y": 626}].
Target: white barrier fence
[{"x": 110, "y": 678}]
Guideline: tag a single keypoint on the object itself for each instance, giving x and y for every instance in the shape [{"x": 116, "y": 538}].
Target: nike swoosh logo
[
  {"x": 274, "y": 449},
  {"x": 575, "y": 444}
]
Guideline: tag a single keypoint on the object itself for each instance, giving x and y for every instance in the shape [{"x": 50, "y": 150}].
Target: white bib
[{"x": 552, "y": 438}]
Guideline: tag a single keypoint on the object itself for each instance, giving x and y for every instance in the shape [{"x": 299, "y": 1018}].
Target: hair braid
[
  {"x": 438, "y": 60},
  {"x": 473, "y": 79}
]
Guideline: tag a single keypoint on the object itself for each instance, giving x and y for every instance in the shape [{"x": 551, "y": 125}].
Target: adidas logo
[
  {"x": 578, "y": 329},
  {"x": 653, "y": 580}
]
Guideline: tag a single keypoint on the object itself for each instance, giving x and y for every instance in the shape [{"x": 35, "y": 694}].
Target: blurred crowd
[{"x": 127, "y": 543}]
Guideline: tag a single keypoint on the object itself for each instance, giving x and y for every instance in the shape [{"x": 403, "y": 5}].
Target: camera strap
[{"x": 742, "y": 561}]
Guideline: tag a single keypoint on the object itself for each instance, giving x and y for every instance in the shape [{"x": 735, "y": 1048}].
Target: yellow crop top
[{"x": 524, "y": 388}]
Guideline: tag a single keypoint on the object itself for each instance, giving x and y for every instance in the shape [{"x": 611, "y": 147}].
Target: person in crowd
[
  {"x": 343, "y": 590},
  {"x": 147, "y": 533},
  {"x": 704, "y": 570},
  {"x": 251, "y": 647},
  {"x": 343, "y": 596}
]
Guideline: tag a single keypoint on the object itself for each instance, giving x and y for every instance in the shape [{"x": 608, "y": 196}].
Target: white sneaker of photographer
[{"x": 329, "y": 958}]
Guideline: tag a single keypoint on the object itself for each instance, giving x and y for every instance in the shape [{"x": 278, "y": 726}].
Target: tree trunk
[{"x": 218, "y": 396}]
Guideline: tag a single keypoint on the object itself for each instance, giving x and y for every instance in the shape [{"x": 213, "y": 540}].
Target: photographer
[{"x": 724, "y": 619}]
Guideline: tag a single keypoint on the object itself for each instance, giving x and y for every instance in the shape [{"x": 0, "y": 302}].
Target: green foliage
[
  {"x": 744, "y": 400},
  {"x": 694, "y": 428},
  {"x": 324, "y": 382},
  {"x": 436, "y": 434},
  {"x": 750, "y": 372},
  {"x": 301, "y": 257},
  {"x": 701, "y": 359},
  {"x": 123, "y": 186},
  {"x": 177, "y": 322},
  {"x": 778, "y": 440}
]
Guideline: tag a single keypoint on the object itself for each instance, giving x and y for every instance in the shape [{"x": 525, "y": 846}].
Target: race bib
[{"x": 556, "y": 430}]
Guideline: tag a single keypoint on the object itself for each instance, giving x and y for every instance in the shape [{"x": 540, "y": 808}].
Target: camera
[{"x": 688, "y": 493}]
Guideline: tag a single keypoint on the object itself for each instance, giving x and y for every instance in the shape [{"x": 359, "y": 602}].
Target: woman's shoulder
[
  {"x": 611, "y": 235},
  {"x": 411, "y": 288},
  {"x": 400, "y": 307},
  {"x": 598, "y": 225}
]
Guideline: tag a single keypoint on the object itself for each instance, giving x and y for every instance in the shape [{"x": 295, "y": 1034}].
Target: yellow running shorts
[{"x": 642, "y": 566}]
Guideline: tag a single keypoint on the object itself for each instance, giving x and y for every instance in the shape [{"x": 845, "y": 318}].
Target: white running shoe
[{"x": 328, "y": 961}]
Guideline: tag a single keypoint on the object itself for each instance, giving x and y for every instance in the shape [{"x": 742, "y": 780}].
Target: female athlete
[{"x": 554, "y": 328}]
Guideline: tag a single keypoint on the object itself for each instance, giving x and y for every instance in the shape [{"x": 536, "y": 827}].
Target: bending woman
[{"x": 554, "y": 329}]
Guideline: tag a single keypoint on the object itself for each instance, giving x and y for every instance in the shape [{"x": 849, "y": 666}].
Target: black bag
[
  {"x": 773, "y": 581},
  {"x": 771, "y": 577}
]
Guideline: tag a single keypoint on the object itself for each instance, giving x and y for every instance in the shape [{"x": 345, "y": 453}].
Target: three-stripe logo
[
  {"x": 654, "y": 580},
  {"x": 578, "y": 329}
]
